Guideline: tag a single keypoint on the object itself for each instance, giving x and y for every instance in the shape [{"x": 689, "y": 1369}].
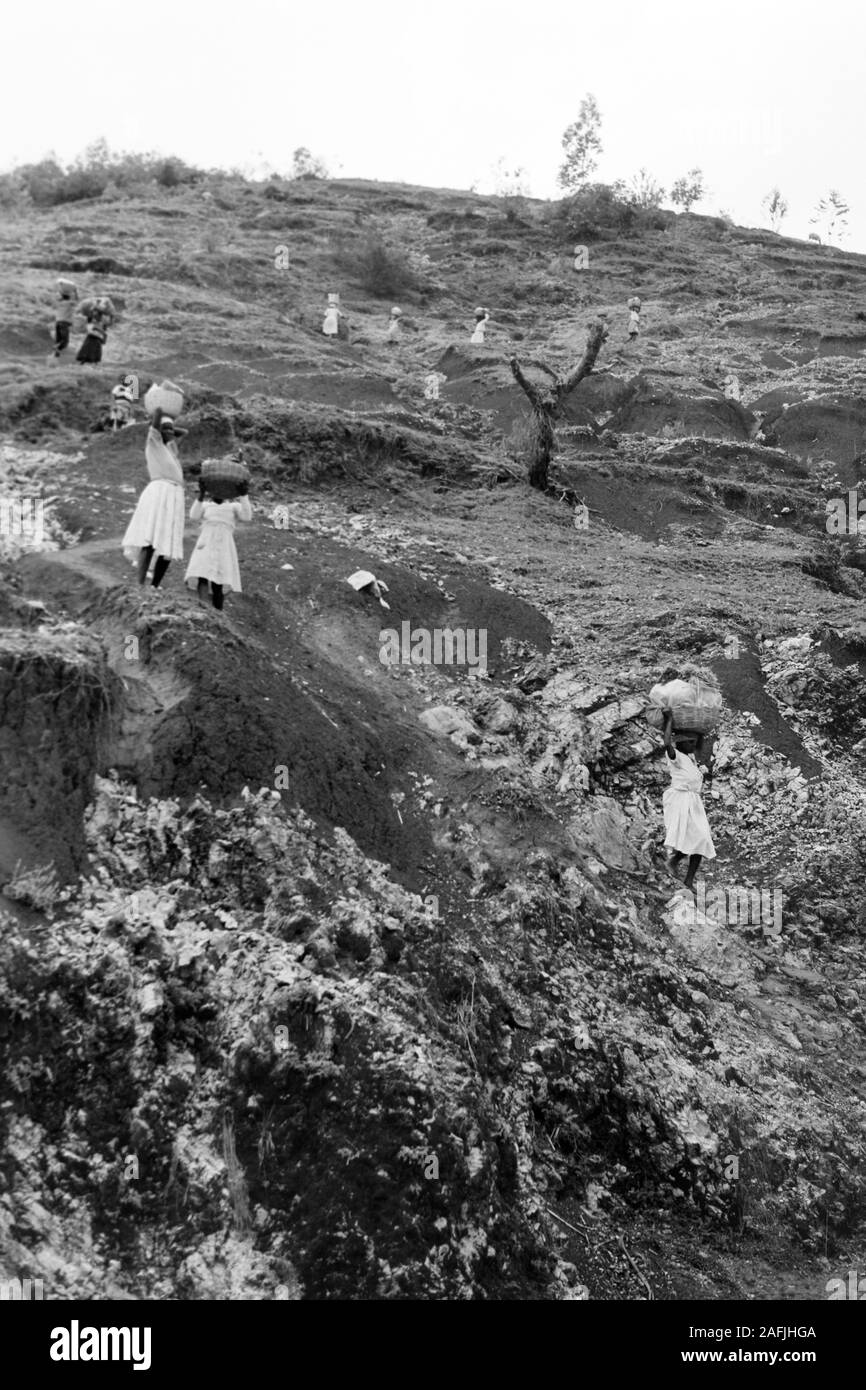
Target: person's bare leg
[
  {"x": 159, "y": 570},
  {"x": 672, "y": 860},
  {"x": 201, "y": 590},
  {"x": 145, "y": 556},
  {"x": 694, "y": 865}
]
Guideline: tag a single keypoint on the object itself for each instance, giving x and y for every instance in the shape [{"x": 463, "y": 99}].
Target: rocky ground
[{"x": 328, "y": 978}]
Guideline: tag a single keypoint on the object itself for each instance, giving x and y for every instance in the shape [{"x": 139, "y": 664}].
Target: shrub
[
  {"x": 382, "y": 270},
  {"x": 307, "y": 166},
  {"x": 593, "y": 211},
  {"x": 49, "y": 184}
]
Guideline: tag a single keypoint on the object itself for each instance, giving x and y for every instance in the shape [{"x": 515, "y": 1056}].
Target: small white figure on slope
[
  {"x": 331, "y": 323},
  {"x": 482, "y": 317}
]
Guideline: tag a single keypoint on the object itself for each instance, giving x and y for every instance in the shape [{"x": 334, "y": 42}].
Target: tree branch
[
  {"x": 524, "y": 383},
  {"x": 594, "y": 340}
]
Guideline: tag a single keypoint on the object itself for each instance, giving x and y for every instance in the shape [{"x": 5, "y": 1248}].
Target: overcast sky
[{"x": 755, "y": 92}]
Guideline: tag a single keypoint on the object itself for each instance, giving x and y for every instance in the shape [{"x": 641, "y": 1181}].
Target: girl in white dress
[
  {"x": 156, "y": 527},
  {"x": 215, "y": 558},
  {"x": 482, "y": 317},
  {"x": 393, "y": 335},
  {"x": 687, "y": 830},
  {"x": 331, "y": 324}
]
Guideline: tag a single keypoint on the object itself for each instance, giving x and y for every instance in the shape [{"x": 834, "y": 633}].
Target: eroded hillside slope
[{"x": 366, "y": 980}]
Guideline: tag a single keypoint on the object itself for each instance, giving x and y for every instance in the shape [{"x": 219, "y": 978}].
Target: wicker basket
[
  {"x": 223, "y": 477},
  {"x": 687, "y": 718}
]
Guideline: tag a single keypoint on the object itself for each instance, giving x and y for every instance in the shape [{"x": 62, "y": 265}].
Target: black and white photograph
[{"x": 432, "y": 672}]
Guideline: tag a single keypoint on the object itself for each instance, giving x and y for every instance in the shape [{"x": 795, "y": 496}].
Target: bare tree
[
  {"x": 548, "y": 400},
  {"x": 831, "y": 214},
  {"x": 777, "y": 208},
  {"x": 643, "y": 190}
]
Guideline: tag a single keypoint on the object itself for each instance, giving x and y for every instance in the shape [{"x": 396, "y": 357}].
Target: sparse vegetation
[
  {"x": 49, "y": 183},
  {"x": 512, "y": 187},
  {"x": 600, "y": 210},
  {"x": 775, "y": 207},
  {"x": 581, "y": 142},
  {"x": 831, "y": 215},
  {"x": 307, "y": 166},
  {"x": 643, "y": 191},
  {"x": 382, "y": 269},
  {"x": 688, "y": 190}
]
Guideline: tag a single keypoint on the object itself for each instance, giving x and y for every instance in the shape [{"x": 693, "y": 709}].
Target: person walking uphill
[
  {"x": 687, "y": 830},
  {"x": 215, "y": 558},
  {"x": 156, "y": 527},
  {"x": 67, "y": 296},
  {"x": 99, "y": 320}
]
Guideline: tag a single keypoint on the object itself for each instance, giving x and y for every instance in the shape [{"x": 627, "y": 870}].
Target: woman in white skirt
[
  {"x": 331, "y": 321},
  {"x": 215, "y": 558},
  {"x": 156, "y": 527},
  {"x": 482, "y": 317},
  {"x": 687, "y": 830}
]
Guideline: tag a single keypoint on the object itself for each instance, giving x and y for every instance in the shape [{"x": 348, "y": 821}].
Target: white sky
[{"x": 755, "y": 92}]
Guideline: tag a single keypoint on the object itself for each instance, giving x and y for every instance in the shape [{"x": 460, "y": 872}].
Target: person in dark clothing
[{"x": 90, "y": 351}]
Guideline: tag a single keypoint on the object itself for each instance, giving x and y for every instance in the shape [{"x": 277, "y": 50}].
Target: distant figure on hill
[
  {"x": 99, "y": 320},
  {"x": 633, "y": 318},
  {"x": 214, "y": 562},
  {"x": 687, "y": 830},
  {"x": 482, "y": 318},
  {"x": 122, "y": 404},
  {"x": 393, "y": 335},
  {"x": 156, "y": 527},
  {"x": 67, "y": 297},
  {"x": 732, "y": 387},
  {"x": 121, "y": 409},
  {"x": 331, "y": 322}
]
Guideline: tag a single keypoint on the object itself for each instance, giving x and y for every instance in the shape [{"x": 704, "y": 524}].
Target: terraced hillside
[{"x": 356, "y": 979}]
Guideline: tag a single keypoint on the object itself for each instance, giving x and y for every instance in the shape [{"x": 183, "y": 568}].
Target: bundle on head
[
  {"x": 166, "y": 397},
  {"x": 223, "y": 478},
  {"x": 692, "y": 695}
]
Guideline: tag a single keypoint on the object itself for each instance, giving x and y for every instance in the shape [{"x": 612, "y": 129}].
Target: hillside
[{"x": 359, "y": 980}]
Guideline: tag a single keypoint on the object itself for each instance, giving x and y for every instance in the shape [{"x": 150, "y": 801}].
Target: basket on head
[
  {"x": 695, "y": 704},
  {"x": 634, "y": 302},
  {"x": 67, "y": 287},
  {"x": 223, "y": 477},
  {"x": 166, "y": 397}
]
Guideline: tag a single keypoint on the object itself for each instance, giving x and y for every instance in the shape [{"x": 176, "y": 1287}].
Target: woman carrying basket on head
[
  {"x": 687, "y": 830},
  {"x": 686, "y": 705},
  {"x": 156, "y": 527},
  {"x": 100, "y": 317},
  {"x": 220, "y": 505}
]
